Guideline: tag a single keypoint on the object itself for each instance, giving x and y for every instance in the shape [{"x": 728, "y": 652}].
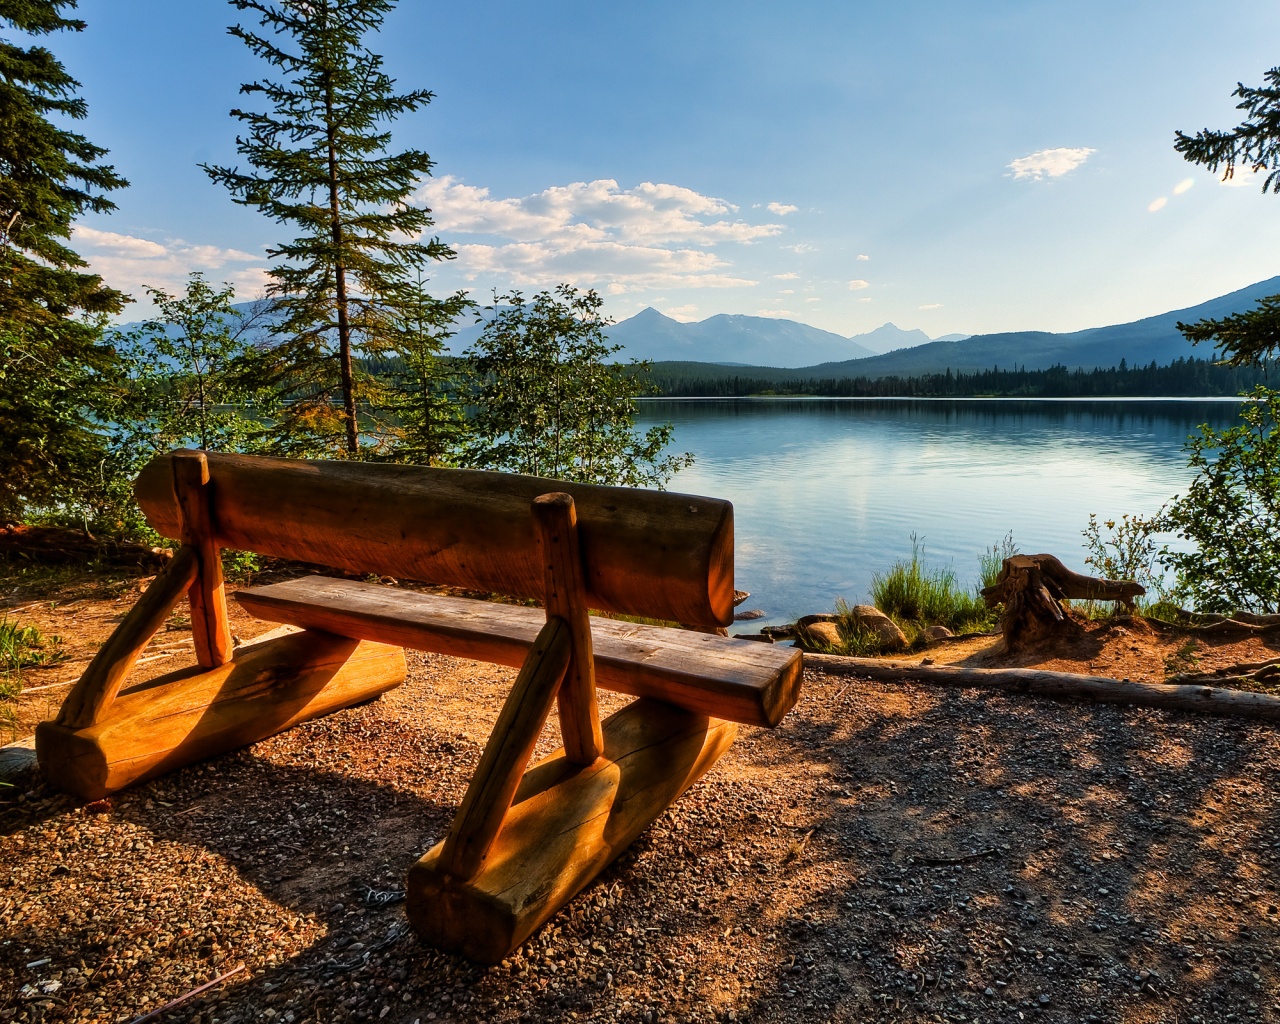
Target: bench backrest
[{"x": 649, "y": 553}]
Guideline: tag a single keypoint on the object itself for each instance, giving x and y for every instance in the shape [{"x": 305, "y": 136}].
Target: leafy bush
[{"x": 1231, "y": 513}]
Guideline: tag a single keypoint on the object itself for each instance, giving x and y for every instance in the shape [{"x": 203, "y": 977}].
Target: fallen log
[{"x": 1204, "y": 700}]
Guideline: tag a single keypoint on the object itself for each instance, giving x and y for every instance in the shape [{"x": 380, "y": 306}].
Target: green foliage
[
  {"x": 321, "y": 165},
  {"x": 1127, "y": 551},
  {"x": 1254, "y": 143},
  {"x": 1231, "y": 513},
  {"x": 22, "y": 647},
  {"x": 549, "y": 404},
  {"x": 1252, "y": 336},
  {"x": 191, "y": 376},
  {"x": 55, "y": 371},
  {"x": 913, "y": 592}
]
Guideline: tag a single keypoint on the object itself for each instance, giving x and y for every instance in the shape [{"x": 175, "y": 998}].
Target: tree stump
[{"x": 1032, "y": 589}]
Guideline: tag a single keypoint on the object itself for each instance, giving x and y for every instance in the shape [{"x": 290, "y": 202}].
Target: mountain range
[
  {"x": 756, "y": 341},
  {"x": 1154, "y": 338}
]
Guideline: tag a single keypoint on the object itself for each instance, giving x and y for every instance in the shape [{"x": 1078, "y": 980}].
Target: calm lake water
[{"x": 828, "y": 491}]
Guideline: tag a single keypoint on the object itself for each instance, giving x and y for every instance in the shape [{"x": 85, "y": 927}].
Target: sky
[{"x": 973, "y": 167}]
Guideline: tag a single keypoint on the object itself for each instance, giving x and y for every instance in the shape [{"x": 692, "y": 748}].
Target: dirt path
[{"x": 890, "y": 853}]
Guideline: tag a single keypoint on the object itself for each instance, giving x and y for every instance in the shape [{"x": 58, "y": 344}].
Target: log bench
[{"x": 526, "y": 838}]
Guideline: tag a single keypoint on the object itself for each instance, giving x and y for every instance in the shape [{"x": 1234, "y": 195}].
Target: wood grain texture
[
  {"x": 489, "y": 795},
  {"x": 566, "y": 824},
  {"x": 193, "y": 714},
  {"x": 1203, "y": 700},
  {"x": 754, "y": 684},
  {"x": 96, "y": 689},
  {"x": 651, "y": 553},
  {"x": 566, "y": 598},
  {"x": 210, "y": 629}
]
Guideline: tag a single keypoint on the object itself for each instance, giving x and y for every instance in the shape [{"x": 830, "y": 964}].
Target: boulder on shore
[
  {"x": 817, "y": 632},
  {"x": 872, "y": 618}
]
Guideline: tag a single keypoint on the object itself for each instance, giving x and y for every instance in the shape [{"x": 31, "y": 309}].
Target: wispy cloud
[
  {"x": 131, "y": 263},
  {"x": 1049, "y": 163},
  {"x": 1244, "y": 177},
  {"x": 781, "y": 209},
  {"x": 1185, "y": 185},
  {"x": 790, "y": 275},
  {"x": 618, "y": 239},
  {"x": 930, "y": 305},
  {"x": 774, "y": 312},
  {"x": 863, "y": 256},
  {"x": 858, "y": 285},
  {"x": 682, "y": 313},
  {"x": 1156, "y": 205}
]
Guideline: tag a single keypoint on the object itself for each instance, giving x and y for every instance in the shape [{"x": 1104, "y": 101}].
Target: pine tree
[
  {"x": 321, "y": 165},
  {"x": 1252, "y": 336},
  {"x": 54, "y": 366}
]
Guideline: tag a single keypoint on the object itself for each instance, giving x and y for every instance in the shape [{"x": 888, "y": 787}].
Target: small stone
[{"x": 1043, "y": 999}]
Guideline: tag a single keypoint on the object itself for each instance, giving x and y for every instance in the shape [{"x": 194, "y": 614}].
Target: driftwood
[
  {"x": 48, "y": 545},
  {"x": 1032, "y": 589},
  {"x": 1205, "y": 700},
  {"x": 1249, "y": 672}
]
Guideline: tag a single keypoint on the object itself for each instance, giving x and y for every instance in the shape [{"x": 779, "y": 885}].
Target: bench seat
[{"x": 741, "y": 681}]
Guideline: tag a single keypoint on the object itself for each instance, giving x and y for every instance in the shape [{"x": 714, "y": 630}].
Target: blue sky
[{"x": 971, "y": 167}]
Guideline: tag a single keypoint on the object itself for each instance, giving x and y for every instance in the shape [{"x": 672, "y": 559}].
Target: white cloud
[
  {"x": 863, "y": 256},
  {"x": 1049, "y": 163},
  {"x": 790, "y": 275},
  {"x": 1244, "y": 177},
  {"x": 801, "y": 248},
  {"x": 781, "y": 209},
  {"x": 786, "y": 291},
  {"x": 930, "y": 305},
  {"x": 774, "y": 312},
  {"x": 650, "y": 236},
  {"x": 1184, "y": 185},
  {"x": 813, "y": 298},
  {"x": 682, "y": 313},
  {"x": 131, "y": 263},
  {"x": 1157, "y": 204},
  {"x": 858, "y": 285}
]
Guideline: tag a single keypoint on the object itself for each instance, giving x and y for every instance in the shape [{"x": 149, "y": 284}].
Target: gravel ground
[{"x": 889, "y": 853}]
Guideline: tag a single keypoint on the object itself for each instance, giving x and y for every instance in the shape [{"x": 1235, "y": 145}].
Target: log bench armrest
[{"x": 749, "y": 683}]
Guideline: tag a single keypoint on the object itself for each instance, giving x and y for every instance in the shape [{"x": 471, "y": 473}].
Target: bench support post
[
  {"x": 210, "y": 627},
  {"x": 556, "y": 523},
  {"x": 489, "y": 795}
]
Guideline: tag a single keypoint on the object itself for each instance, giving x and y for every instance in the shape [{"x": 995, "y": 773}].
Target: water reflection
[{"x": 826, "y": 492}]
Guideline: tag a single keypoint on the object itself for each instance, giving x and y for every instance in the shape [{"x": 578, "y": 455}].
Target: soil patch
[{"x": 891, "y": 852}]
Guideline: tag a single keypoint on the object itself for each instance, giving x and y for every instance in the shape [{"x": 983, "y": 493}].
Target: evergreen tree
[
  {"x": 427, "y": 393},
  {"x": 1254, "y": 335},
  {"x": 321, "y": 165},
  {"x": 55, "y": 370}
]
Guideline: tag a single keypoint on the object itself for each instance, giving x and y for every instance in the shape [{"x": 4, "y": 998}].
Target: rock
[
  {"x": 872, "y": 618},
  {"x": 817, "y": 632},
  {"x": 751, "y": 613},
  {"x": 760, "y": 638},
  {"x": 938, "y": 633}
]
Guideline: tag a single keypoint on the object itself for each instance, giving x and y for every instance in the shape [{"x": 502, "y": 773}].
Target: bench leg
[
  {"x": 193, "y": 714},
  {"x": 566, "y": 824}
]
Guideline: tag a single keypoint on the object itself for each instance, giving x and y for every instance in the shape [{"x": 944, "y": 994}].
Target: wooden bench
[{"x": 526, "y": 838}]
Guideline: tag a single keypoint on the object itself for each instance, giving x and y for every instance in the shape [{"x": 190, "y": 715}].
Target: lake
[{"x": 827, "y": 492}]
